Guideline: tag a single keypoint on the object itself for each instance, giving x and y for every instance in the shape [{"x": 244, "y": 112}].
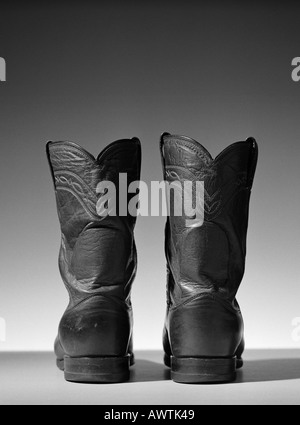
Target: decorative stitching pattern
[
  {"x": 59, "y": 149},
  {"x": 212, "y": 201},
  {"x": 67, "y": 178},
  {"x": 192, "y": 148},
  {"x": 72, "y": 183},
  {"x": 212, "y": 204}
]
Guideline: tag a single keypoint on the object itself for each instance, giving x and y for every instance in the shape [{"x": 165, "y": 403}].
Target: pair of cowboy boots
[{"x": 203, "y": 334}]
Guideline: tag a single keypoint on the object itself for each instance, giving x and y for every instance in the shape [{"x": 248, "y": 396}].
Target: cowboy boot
[
  {"x": 97, "y": 261},
  {"x": 204, "y": 334}
]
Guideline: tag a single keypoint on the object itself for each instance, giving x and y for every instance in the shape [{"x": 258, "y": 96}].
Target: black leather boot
[
  {"x": 97, "y": 262},
  {"x": 204, "y": 335}
]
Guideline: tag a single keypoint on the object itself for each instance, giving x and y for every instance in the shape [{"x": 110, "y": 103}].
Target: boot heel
[
  {"x": 98, "y": 369},
  {"x": 203, "y": 371}
]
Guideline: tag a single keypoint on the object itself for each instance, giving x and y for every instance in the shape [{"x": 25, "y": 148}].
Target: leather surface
[
  {"x": 206, "y": 263},
  {"x": 97, "y": 257}
]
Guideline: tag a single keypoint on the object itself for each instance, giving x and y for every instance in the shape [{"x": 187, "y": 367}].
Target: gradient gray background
[{"x": 96, "y": 72}]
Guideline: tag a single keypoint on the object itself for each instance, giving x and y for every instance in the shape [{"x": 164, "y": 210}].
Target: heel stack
[
  {"x": 203, "y": 370},
  {"x": 97, "y": 369}
]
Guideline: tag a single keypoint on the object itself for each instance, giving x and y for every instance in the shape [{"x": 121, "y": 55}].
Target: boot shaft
[
  {"x": 76, "y": 175},
  {"x": 97, "y": 253},
  {"x": 209, "y": 256}
]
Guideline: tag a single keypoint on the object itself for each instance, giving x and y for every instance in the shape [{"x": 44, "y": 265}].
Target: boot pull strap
[
  {"x": 252, "y": 161},
  {"x": 49, "y": 162},
  {"x": 162, "y": 150}
]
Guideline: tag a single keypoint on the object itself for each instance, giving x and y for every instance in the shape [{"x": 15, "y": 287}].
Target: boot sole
[
  {"x": 203, "y": 370},
  {"x": 96, "y": 369}
]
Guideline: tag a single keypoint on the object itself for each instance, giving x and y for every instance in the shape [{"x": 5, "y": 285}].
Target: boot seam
[
  {"x": 122, "y": 303},
  {"x": 225, "y": 303}
]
